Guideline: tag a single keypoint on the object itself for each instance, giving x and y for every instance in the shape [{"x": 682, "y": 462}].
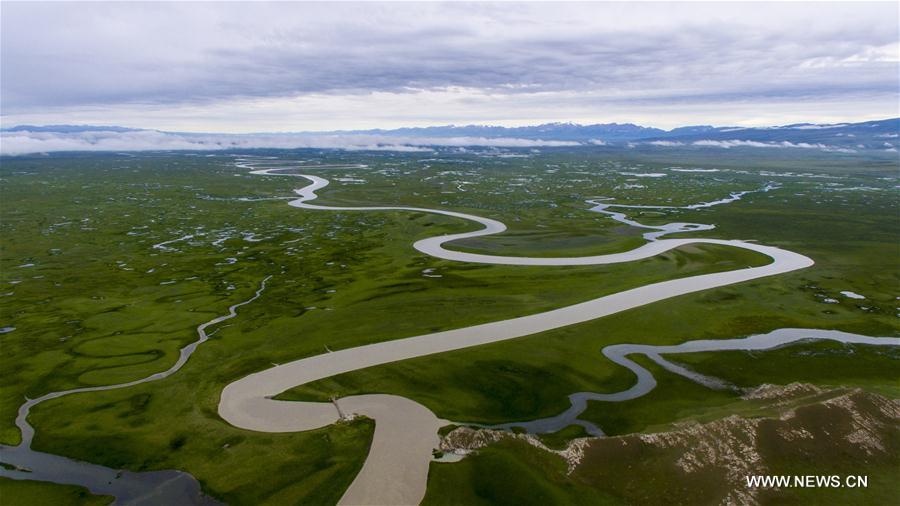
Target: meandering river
[{"x": 396, "y": 469}]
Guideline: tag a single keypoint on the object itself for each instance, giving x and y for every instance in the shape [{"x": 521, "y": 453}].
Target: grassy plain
[
  {"x": 29, "y": 493},
  {"x": 848, "y": 232},
  {"x": 99, "y": 304},
  {"x": 696, "y": 464},
  {"x": 822, "y": 363}
]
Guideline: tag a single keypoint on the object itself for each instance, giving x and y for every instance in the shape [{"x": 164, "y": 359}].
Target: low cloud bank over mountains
[{"x": 839, "y": 138}]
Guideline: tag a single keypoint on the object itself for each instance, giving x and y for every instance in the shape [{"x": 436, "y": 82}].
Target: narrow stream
[
  {"x": 618, "y": 353},
  {"x": 396, "y": 470},
  {"x": 168, "y": 487}
]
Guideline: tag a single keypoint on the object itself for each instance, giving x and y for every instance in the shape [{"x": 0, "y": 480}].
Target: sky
[{"x": 277, "y": 67}]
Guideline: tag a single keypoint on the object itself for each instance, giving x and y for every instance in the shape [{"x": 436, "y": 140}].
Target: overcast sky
[{"x": 236, "y": 67}]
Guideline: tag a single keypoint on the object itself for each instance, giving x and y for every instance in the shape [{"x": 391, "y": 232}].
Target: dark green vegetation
[
  {"x": 29, "y": 493},
  {"x": 560, "y": 439},
  {"x": 823, "y": 363},
  {"x": 826, "y": 448},
  {"x": 534, "y": 383},
  {"x": 849, "y": 233},
  {"x": 677, "y": 399},
  {"x": 673, "y": 400},
  {"x": 101, "y": 305},
  {"x": 509, "y": 473},
  {"x": 801, "y": 433}
]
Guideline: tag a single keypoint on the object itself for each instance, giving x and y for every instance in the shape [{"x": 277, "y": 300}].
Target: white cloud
[
  {"x": 26, "y": 142},
  {"x": 734, "y": 143},
  {"x": 644, "y": 174}
]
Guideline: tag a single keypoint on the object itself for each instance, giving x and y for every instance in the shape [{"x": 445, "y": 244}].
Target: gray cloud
[
  {"x": 125, "y": 56},
  {"x": 27, "y": 142}
]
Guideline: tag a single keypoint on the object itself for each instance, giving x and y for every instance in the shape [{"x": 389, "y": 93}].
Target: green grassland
[
  {"x": 632, "y": 470},
  {"x": 29, "y": 493},
  {"x": 100, "y": 305},
  {"x": 529, "y": 476},
  {"x": 850, "y": 235},
  {"x": 677, "y": 399},
  {"x": 823, "y": 363}
]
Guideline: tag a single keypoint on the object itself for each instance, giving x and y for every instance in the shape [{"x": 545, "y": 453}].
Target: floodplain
[{"x": 111, "y": 262}]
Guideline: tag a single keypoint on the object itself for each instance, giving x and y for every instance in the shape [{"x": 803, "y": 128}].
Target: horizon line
[{"x": 444, "y": 125}]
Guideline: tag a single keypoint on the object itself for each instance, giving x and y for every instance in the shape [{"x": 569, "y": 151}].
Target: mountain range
[
  {"x": 835, "y": 134},
  {"x": 880, "y": 135}
]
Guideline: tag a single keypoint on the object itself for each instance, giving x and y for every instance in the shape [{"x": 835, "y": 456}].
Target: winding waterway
[
  {"x": 618, "y": 353},
  {"x": 396, "y": 469},
  {"x": 153, "y": 487}
]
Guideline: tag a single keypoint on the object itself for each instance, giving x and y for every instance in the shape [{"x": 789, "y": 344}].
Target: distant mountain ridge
[
  {"x": 867, "y": 132},
  {"x": 546, "y": 131},
  {"x": 837, "y": 134},
  {"x": 868, "y": 135}
]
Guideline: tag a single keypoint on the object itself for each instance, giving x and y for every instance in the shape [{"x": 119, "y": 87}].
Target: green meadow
[
  {"x": 95, "y": 298},
  {"x": 27, "y": 493}
]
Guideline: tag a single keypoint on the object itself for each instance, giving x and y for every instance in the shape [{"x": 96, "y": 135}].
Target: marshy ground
[{"x": 91, "y": 301}]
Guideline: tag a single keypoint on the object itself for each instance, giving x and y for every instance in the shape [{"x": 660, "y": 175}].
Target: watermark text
[{"x": 807, "y": 481}]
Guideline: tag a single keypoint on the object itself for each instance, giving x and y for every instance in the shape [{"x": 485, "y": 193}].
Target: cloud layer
[
  {"x": 243, "y": 67},
  {"x": 26, "y": 142},
  {"x": 734, "y": 143}
]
